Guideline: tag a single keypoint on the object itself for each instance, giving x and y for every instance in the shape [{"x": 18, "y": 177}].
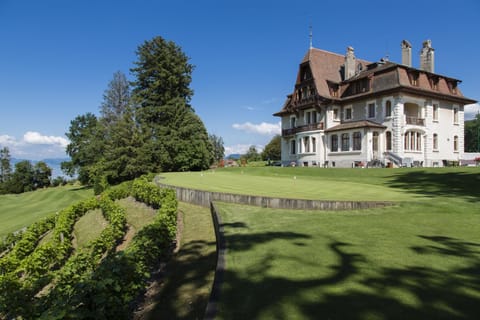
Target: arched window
[
  {"x": 334, "y": 143},
  {"x": 388, "y": 108},
  {"x": 388, "y": 140}
]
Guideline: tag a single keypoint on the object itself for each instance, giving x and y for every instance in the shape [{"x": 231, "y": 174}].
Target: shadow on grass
[
  {"x": 190, "y": 269},
  {"x": 452, "y": 184},
  {"x": 412, "y": 292}
]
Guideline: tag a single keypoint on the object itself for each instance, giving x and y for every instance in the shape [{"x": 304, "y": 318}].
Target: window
[
  {"x": 435, "y": 141},
  {"x": 388, "y": 108},
  {"x": 389, "y": 140},
  {"x": 334, "y": 143},
  {"x": 345, "y": 142},
  {"x": 453, "y": 86},
  {"x": 375, "y": 142},
  {"x": 455, "y": 115},
  {"x": 314, "y": 117},
  {"x": 314, "y": 144},
  {"x": 435, "y": 83},
  {"x": 293, "y": 121},
  {"x": 306, "y": 144},
  {"x": 371, "y": 110},
  {"x": 455, "y": 143},
  {"x": 292, "y": 146},
  {"x": 357, "y": 140},
  {"x": 413, "y": 141},
  {"x": 335, "y": 114},
  {"x": 435, "y": 112},
  {"x": 348, "y": 113},
  {"x": 413, "y": 76},
  {"x": 308, "y": 117}
]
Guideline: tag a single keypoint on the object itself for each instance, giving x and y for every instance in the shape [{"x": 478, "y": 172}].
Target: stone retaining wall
[{"x": 204, "y": 198}]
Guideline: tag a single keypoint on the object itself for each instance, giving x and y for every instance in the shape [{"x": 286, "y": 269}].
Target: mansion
[{"x": 347, "y": 112}]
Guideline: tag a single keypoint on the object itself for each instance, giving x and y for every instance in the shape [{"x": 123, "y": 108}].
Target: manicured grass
[
  {"x": 18, "y": 211},
  {"x": 417, "y": 260},
  {"x": 335, "y": 184},
  {"x": 189, "y": 276},
  {"x": 88, "y": 228}
]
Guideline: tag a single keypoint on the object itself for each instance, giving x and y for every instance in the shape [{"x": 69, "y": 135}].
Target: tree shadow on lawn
[
  {"x": 414, "y": 292},
  {"x": 189, "y": 270},
  {"x": 450, "y": 184}
]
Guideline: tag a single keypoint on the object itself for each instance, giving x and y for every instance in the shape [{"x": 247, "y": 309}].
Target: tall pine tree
[{"x": 176, "y": 138}]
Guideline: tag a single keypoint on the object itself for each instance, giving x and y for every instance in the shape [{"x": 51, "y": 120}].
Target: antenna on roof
[{"x": 311, "y": 36}]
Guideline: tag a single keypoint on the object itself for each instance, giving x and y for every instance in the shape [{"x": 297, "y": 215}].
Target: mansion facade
[{"x": 347, "y": 112}]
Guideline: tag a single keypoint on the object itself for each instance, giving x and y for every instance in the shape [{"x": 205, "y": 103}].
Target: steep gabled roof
[{"x": 326, "y": 66}]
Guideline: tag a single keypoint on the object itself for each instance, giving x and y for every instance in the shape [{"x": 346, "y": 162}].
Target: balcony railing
[
  {"x": 314, "y": 99},
  {"x": 308, "y": 127},
  {"x": 415, "y": 121}
]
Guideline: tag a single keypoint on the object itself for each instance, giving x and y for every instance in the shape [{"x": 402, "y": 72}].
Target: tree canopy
[
  {"x": 273, "y": 150},
  {"x": 147, "y": 125}
]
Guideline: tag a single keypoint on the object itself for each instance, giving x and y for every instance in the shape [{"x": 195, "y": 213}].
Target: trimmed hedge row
[{"x": 95, "y": 281}]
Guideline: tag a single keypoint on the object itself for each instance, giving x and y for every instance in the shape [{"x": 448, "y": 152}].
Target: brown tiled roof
[
  {"x": 384, "y": 77},
  {"x": 326, "y": 66},
  {"x": 356, "y": 125}
]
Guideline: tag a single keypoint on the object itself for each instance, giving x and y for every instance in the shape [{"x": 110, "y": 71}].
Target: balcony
[
  {"x": 308, "y": 127},
  {"x": 310, "y": 100},
  {"x": 414, "y": 121}
]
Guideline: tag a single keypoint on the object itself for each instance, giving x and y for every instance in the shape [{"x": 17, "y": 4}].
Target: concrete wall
[{"x": 204, "y": 198}]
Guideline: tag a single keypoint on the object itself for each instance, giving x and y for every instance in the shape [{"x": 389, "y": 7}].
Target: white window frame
[
  {"x": 369, "y": 103},
  {"x": 435, "y": 114},
  {"x": 337, "y": 111},
  {"x": 345, "y": 113},
  {"x": 456, "y": 111}
]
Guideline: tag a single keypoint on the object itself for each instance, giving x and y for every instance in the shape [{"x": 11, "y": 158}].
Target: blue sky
[{"x": 57, "y": 57}]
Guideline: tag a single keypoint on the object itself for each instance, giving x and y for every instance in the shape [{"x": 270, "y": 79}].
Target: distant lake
[{"x": 54, "y": 164}]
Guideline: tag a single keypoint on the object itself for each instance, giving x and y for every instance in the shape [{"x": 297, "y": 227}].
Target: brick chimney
[
  {"x": 350, "y": 63},
  {"x": 427, "y": 57},
  {"x": 406, "y": 53}
]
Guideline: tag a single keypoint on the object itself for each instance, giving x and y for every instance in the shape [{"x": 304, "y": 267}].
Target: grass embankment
[
  {"x": 189, "y": 275},
  {"x": 417, "y": 260},
  {"x": 18, "y": 211},
  {"x": 332, "y": 184}
]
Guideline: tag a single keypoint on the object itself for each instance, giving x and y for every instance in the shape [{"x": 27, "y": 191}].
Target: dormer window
[
  {"x": 413, "y": 76},
  {"x": 434, "y": 83},
  {"x": 333, "y": 90},
  {"x": 453, "y": 86},
  {"x": 305, "y": 73}
]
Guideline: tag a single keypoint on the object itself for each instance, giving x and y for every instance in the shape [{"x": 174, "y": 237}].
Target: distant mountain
[{"x": 233, "y": 156}]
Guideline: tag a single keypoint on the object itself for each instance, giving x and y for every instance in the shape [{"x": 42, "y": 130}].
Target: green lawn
[
  {"x": 18, "y": 211},
  {"x": 335, "y": 184},
  {"x": 418, "y": 259},
  {"x": 412, "y": 261},
  {"x": 186, "y": 290}
]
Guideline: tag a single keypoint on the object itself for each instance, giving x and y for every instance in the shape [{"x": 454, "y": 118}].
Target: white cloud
[
  {"x": 35, "y": 146},
  {"x": 33, "y": 137},
  {"x": 263, "y": 128},
  {"x": 471, "y": 110},
  {"x": 8, "y": 141}
]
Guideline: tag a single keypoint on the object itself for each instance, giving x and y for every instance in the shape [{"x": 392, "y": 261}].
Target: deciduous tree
[{"x": 273, "y": 150}]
